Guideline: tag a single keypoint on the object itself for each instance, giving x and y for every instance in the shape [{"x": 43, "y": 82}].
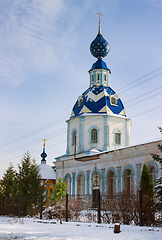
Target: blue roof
[
  {"x": 99, "y": 64},
  {"x": 97, "y": 100}
]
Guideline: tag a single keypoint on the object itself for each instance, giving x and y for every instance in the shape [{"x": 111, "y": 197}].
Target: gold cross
[
  {"x": 99, "y": 16},
  {"x": 44, "y": 142}
]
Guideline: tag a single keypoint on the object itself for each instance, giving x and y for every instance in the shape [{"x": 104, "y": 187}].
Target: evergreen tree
[
  {"x": 9, "y": 182},
  {"x": 58, "y": 195},
  {"x": 147, "y": 197},
  {"x": 158, "y": 187},
  {"x": 146, "y": 183},
  {"x": 29, "y": 184}
]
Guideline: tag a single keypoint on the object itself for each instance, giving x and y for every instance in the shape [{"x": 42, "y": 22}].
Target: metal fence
[
  {"x": 104, "y": 208},
  {"x": 21, "y": 206},
  {"x": 126, "y": 209}
]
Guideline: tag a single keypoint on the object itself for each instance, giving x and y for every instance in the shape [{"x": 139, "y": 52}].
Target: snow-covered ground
[{"x": 29, "y": 228}]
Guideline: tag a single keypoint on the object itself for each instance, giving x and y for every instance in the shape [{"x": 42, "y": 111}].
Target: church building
[
  {"x": 98, "y": 153},
  {"x": 48, "y": 175}
]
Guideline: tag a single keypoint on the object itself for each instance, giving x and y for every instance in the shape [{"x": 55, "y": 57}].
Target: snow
[
  {"x": 46, "y": 171},
  {"x": 30, "y": 228}
]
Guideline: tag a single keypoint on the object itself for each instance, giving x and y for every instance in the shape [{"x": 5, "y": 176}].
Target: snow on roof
[{"x": 47, "y": 171}]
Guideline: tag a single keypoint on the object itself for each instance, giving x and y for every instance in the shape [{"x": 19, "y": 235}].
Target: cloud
[{"x": 27, "y": 42}]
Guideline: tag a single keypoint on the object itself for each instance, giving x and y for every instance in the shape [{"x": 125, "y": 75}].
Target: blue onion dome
[
  {"x": 99, "y": 48},
  {"x": 43, "y": 155}
]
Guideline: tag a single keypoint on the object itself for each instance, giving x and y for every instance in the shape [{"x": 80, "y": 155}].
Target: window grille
[{"x": 94, "y": 136}]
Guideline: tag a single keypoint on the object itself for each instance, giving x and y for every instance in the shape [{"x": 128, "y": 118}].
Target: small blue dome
[
  {"x": 43, "y": 155},
  {"x": 99, "y": 48}
]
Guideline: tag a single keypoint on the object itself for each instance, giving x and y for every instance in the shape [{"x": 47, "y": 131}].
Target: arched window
[
  {"x": 80, "y": 100},
  {"x": 111, "y": 183},
  {"x": 94, "y": 135},
  {"x": 67, "y": 181},
  {"x": 73, "y": 137},
  {"x": 113, "y": 101},
  {"x": 117, "y": 137},
  {"x": 95, "y": 180},
  {"x": 128, "y": 181},
  {"x": 81, "y": 185},
  {"x": 98, "y": 76},
  {"x": 105, "y": 77},
  {"x": 152, "y": 173}
]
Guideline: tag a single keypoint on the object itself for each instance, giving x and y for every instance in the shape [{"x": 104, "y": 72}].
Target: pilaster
[
  {"x": 127, "y": 132},
  {"x": 103, "y": 181},
  {"x": 81, "y": 134},
  {"x": 106, "y": 133},
  {"x": 67, "y": 150},
  {"x": 73, "y": 183},
  {"x": 138, "y": 175},
  {"x": 87, "y": 182},
  {"x": 118, "y": 179}
]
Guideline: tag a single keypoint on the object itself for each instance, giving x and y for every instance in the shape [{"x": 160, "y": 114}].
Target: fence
[
  {"x": 104, "y": 208},
  {"x": 140, "y": 209},
  {"x": 137, "y": 209},
  {"x": 21, "y": 206}
]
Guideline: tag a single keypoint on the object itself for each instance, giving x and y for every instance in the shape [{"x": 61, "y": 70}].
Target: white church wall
[
  {"x": 83, "y": 126},
  {"x": 118, "y": 161}
]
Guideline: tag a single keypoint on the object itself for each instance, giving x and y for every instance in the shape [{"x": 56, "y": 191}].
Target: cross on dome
[
  {"x": 99, "y": 30},
  {"x": 44, "y": 142}
]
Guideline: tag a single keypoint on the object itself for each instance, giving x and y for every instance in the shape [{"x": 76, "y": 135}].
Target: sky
[{"x": 44, "y": 63}]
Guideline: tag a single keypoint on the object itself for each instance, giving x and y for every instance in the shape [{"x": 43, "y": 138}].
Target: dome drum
[{"x": 100, "y": 77}]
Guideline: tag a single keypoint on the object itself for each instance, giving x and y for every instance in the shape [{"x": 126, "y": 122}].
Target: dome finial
[
  {"x": 44, "y": 140},
  {"x": 99, "y": 47},
  {"x": 43, "y": 155},
  {"x": 99, "y": 30}
]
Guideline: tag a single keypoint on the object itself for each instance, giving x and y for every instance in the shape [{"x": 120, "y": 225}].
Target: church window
[
  {"x": 80, "y": 100},
  {"x": 73, "y": 137},
  {"x": 92, "y": 79},
  {"x": 95, "y": 180},
  {"x": 113, "y": 101},
  {"x": 128, "y": 181},
  {"x": 94, "y": 135},
  {"x": 98, "y": 76},
  {"x": 117, "y": 137},
  {"x": 111, "y": 183},
  {"x": 105, "y": 77},
  {"x": 152, "y": 174},
  {"x": 81, "y": 185}
]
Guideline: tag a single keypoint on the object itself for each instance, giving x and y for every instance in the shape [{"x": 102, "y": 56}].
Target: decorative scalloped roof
[
  {"x": 98, "y": 100},
  {"x": 99, "y": 64}
]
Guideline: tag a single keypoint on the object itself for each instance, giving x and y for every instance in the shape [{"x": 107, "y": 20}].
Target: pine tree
[
  {"x": 158, "y": 187},
  {"x": 58, "y": 195},
  {"x": 147, "y": 197},
  {"x": 146, "y": 183},
  {"x": 29, "y": 184},
  {"x": 9, "y": 182}
]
